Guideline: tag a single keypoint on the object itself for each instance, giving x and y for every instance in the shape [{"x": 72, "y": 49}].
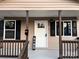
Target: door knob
[{"x": 45, "y": 35}]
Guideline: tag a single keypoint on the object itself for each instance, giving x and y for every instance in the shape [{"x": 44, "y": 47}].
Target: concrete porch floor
[{"x": 41, "y": 54}]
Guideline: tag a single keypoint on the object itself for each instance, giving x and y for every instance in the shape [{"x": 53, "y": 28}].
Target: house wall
[
  {"x": 31, "y": 31},
  {"x": 53, "y": 41},
  {"x": 23, "y": 26}
]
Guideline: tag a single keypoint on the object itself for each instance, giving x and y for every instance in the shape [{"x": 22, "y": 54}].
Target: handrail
[
  {"x": 12, "y": 40},
  {"x": 23, "y": 54},
  {"x": 70, "y": 41}
]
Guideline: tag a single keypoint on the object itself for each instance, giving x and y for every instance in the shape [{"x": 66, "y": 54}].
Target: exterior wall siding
[
  {"x": 23, "y": 26},
  {"x": 31, "y": 31}
]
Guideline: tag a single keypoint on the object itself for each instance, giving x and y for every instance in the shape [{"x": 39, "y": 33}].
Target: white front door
[{"x": 41, "y": 29}]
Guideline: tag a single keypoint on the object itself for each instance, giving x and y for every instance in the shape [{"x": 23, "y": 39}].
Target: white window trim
[
  {"x": 63, "y": 28},
  {"x": 11, "y": 30}
]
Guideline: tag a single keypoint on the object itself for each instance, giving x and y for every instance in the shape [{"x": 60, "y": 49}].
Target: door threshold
[{"x": 41, "y": 48}]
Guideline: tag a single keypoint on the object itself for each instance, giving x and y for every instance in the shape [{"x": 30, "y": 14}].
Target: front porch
[{"x": 13, "y": 40}]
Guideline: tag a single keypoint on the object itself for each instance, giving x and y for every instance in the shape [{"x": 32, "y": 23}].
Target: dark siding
[
  {"x": 74, "y": 28},
  {"x": 1, "y": 29}
]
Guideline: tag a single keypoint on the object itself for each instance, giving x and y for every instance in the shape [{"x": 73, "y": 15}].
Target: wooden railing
[
  {"x": 11, "y": 48},
  {"x": 24, "y": 52},
  {"x": 70, "y": 49}
]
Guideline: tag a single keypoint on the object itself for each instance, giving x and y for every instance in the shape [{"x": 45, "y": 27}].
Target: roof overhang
[{"x": 39, "y": 6}]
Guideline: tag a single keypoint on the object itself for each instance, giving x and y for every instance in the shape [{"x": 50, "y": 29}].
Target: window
[
  {"x": 9, "y": 29},
  {"x": 40, "y": 25},
  {"x": 68, "y": 27}
]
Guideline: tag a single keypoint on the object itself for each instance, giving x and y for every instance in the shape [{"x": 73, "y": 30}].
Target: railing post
[
  {"x": 26, "y": 32},
  {"x": 60, "y": 38}
]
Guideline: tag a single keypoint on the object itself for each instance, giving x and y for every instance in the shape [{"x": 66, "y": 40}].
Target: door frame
[{"x": 46, "y": 31}]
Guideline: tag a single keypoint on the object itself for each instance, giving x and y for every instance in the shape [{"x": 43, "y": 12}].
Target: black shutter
[
  {"x": 57, "y": 28},
  {"x": 18, "y": 29},
  {"x": 74, "y": 28},
  {"x": 52, "y": 28},
  {"x": 1, "y": 29}
]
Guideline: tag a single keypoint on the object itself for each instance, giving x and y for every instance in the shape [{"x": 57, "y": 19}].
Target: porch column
[
  {"x": 60, "y": 38},
  {"x": 27, "y": 31}
]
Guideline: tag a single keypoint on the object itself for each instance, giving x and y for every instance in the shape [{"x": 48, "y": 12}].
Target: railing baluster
[
  {"x": 7, "y": 48},
  {"x": 70, "y": 48},
  {"x": 17, "y": 48},
  {"x": 75, "y": 49},
  {"x": 12, "y": 49},
  {"x": 2, "y": 48},
  {"x": 20, "y": 47},
  {"x": 64, "y": 49}
]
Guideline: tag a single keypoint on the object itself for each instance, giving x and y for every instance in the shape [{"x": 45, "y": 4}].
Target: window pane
[
  {"x": 74, "y": 28},
  {"x": 67, "y": 28},
  {"x": 9, "y": 34},
  {"x": 10, "y": 25},
  {"x": 52, "y": 28},
  {"x": 58, "y": 28},
  {"x": 41, "y": 25}
]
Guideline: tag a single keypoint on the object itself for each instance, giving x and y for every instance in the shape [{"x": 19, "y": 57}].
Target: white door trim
[{"x": 46, "y": 30}]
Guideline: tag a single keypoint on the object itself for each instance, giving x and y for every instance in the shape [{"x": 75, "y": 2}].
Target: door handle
[{"x": 45, "y": 35}]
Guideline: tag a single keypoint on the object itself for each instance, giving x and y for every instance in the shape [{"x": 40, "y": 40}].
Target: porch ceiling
[{"x": 39, "y": 13}]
